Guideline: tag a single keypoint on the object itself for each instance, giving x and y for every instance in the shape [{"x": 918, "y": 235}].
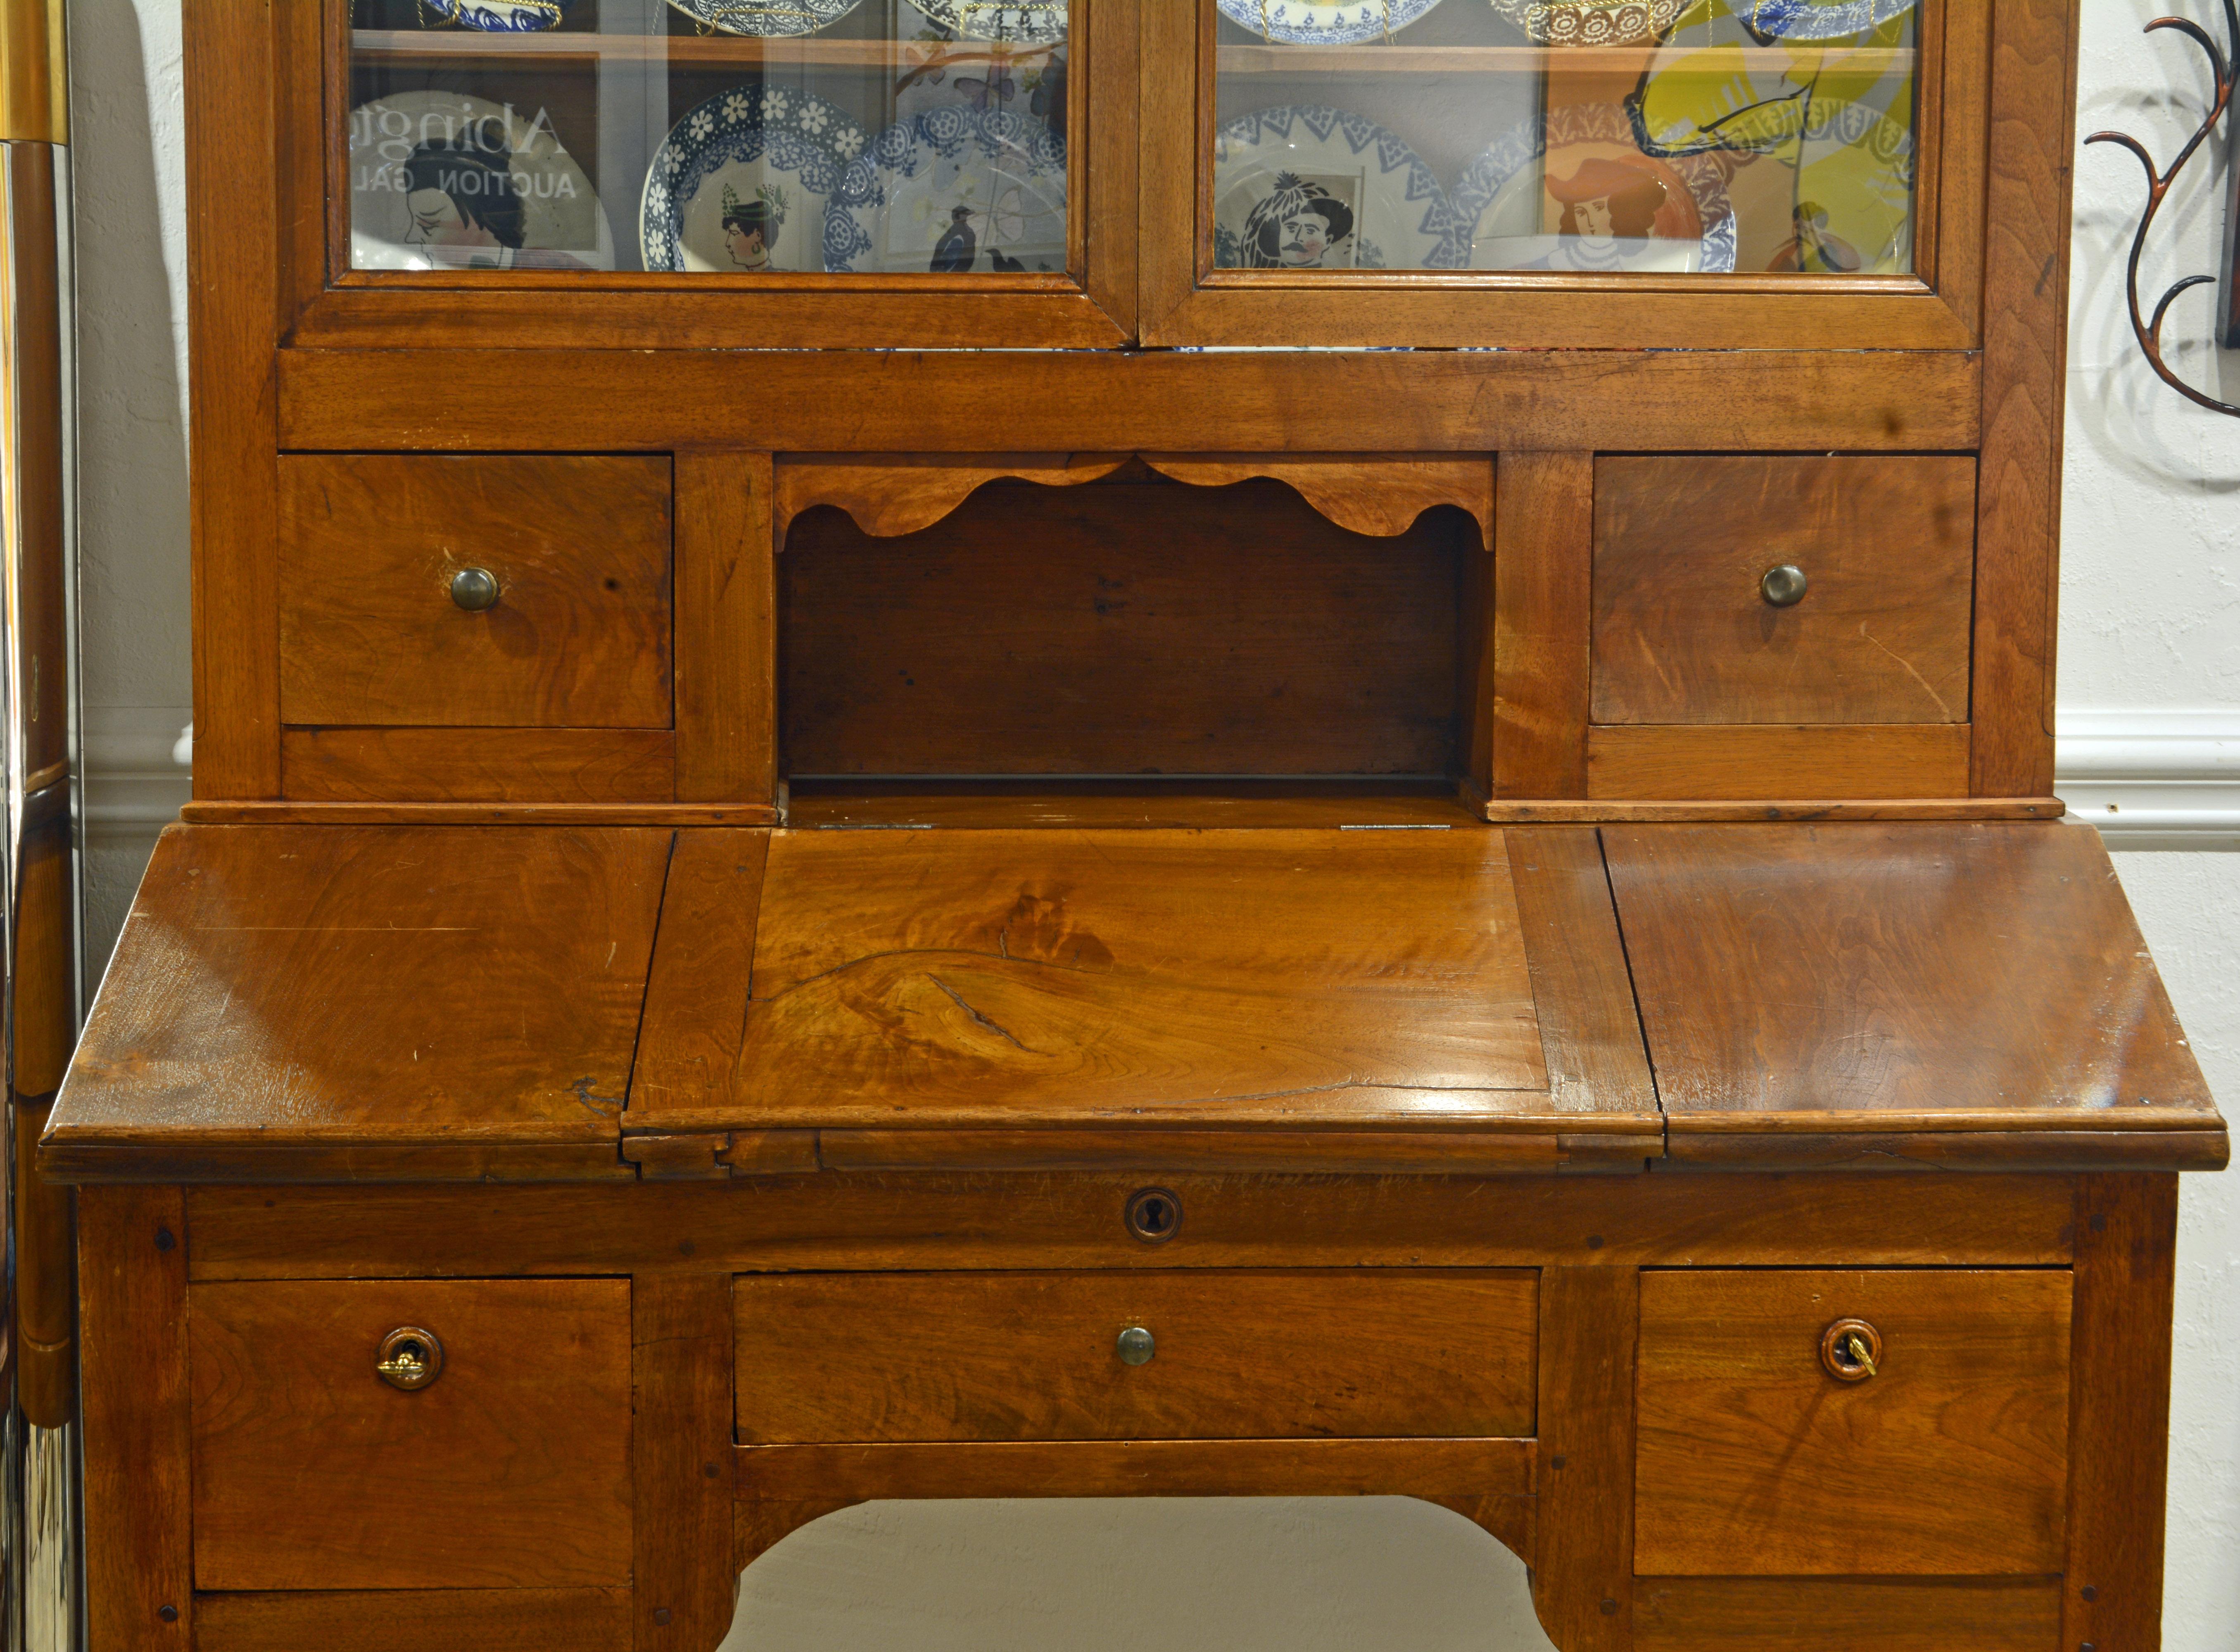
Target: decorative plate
[
  {"x": 1324, "y": 22},
  {"x": 1027, "y": 22},
  {"x": 766, "y": 17},
  {"x": 445, "y": 181},
  {"x": 744, "y": 182},
  {"x": 951, "y": 190},
  {"x": 1817, "y": 19},
  {"x": 498, "y": 16},
  {"x": 1613, "y": 208},
  {"x": 1306, "y": 187},
  {"x": 1591, "y": 23}
]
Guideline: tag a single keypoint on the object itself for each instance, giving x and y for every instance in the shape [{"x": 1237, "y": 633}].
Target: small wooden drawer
[
  {"x": 509, "y": 1469},
  {"x": 1684, "y": 631},
  {"x": 871, "y": 1357},
  {"x": 1760, "y": 1454},
  {"x": 371, "y": 635}
]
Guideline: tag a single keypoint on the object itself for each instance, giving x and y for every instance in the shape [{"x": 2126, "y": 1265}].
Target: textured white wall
[{"x": 2151, "y": 595}]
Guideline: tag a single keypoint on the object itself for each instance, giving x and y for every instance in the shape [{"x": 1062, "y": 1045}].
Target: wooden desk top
[{"x": 343, "y": 1003}]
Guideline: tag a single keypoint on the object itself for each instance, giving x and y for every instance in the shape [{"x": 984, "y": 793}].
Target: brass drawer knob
[
  {"x": 475, "y": 590},
  {"x": 410, "y": 1358},
  {"x": 1784, "y": 586},
  {"x": 1852, "y": 1350},
  {"x": 1137, "y": 1346}
]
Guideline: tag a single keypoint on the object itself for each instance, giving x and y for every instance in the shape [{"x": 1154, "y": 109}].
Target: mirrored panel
[
  {"x": 1672, "y": 137},
  {"x": 740, "y": 137}
]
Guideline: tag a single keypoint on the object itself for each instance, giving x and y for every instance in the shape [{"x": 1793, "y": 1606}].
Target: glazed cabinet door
[
  {"x": 1586, "y": 173},
  {"x": 744, "y": 172}
]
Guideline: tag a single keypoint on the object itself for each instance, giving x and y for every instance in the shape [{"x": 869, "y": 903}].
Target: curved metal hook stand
[{"x": 2149, "y": 331}]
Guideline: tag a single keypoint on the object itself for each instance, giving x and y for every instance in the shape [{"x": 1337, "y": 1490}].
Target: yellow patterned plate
[{"x": 1591, "y": 23}]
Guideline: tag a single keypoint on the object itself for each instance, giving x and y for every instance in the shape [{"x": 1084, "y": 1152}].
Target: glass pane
[
  {"x": 732, "y": 136},
  {"x": 1672, "y": 137}
]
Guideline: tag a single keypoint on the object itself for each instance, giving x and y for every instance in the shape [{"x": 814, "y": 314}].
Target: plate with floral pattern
[
  {"x": 1307, "y": 187},
  {"x": 1592, "y": 22},
  {"x": 766, "y": 17},
  {"x": 1574, "y": 192},
  {"x": 744, "y": 184},
  {"x": 1817, "y": 19},
  {"x": 1027, "y": 22},
  {"x": 500, "y": 16},
  {"x": 1324, "y": 22},
  {"x": 955, "y": 190}
]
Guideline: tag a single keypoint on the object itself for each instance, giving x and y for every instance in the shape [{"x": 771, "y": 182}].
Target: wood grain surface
[
  {"x": 1542, "y": 579},
  {"x": 1365, "y": 493},
  {"x": 353, "y": 987},
  {"x": 1683, "y": 635},
  {"x": 479, "y": 765},
  {"x": 870, "y": 1357},
  {"x": 681, "y": 1346},
  {"x": 1776, "y": 761},
  {"x": 1028, "y": 1220},
  {"x": 1754, "y": 1461},
  {"x": 1148, "y": 801},
  {"x": 1890, "y": 970},
  {"x": 891, "y": 495},
  {"x": 510, "y": 1470},
  {"x": 1583, "y": 1554},
  {"x": 1216, "y": 979},
  {"x": 2119, "y": 1428},
  {"x": 1054, "y": 632},
  {"x": 726, "y": 628},
  {"x": 1800, "y": 1614},
  {"x": 132, "y": 1283},
  {"x": 551, "y": 1619},
  {"x": 368, "y": 633}
]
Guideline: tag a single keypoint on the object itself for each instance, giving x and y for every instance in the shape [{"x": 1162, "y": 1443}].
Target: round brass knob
[
  {"x": 410, "y": 1358},
  {"x": 1155, "y": 1216},
  {"x": 1137, "y": 1346},
  {"x": 475, "y": 590},
  {"x": 1784, "y": 586},
  {"x": 1852, "y": 1350}
]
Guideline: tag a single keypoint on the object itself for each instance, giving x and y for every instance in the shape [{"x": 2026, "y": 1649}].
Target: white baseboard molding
[
  {"x": 134, "y": 784},
  {"x": 2171, "y": 778}
]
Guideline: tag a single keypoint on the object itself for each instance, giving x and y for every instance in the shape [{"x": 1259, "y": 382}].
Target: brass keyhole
[
  {"x": 409, "y": 1358},
  {"x": 1155, "y": 1216},
  {"x": 1852, "y": 1350}
]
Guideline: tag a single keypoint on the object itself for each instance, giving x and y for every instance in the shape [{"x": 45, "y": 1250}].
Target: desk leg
[
  {"x": 2119, "y": 1412},
  {"x": 1582, "y": 1574},
  {"x": 681, "y": 1350},
  {"x": 132, "y": 1297}
]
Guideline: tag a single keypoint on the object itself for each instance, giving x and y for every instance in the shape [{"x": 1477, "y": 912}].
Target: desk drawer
[
  {"x": 872, "y": 1357},
  {"x": 509, "y": 1469},
  {"x": 1685, "y": 631},
  {"x": 1759, "y": 1455},
  {"x": 372, "y": 629}
]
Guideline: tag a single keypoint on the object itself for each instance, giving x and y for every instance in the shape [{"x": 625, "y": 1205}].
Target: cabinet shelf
[
  {"x": 1499, "y": 60},
  {"x": 407, "y": 45}
]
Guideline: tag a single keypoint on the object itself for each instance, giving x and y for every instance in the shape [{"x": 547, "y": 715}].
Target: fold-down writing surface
[
  {"x": 1010, "y": 978},
  {"x": 430, "y": 999}
]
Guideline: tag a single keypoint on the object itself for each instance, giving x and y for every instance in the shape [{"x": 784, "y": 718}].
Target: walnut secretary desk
[{"x": 1328, "y": 723}]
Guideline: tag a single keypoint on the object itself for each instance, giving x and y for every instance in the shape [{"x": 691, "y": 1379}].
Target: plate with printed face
[
  {"x": 766, "y": 17},
  {"x": 1324, "y": 22},
  {"x": 744, "y": 184},
  {"x": 954, "y": 190},
  {"x": 1306, "y": 187},
  {"x": 1574, "y": 191},
  {"x": 1026, "y": 23},
  {"x": 500, "y": 16},
  {"x": 446, "y": 181}
]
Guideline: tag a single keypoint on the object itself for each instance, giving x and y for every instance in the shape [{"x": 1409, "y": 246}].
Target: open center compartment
[{"x": 1130, "y": 626}]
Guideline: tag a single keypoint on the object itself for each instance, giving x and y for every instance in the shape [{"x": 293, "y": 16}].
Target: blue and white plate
[
  {"x": 1027, "y": 22},
  {"x": 1324, "y": 22},
  {"x": 1307, "y": 187},
  {"x": 1501, "y": 203},
  {"x": 1592, "y": 22},
  {"x": 953, "y": 190},
  {"x": 1817, "y": 19},
  {"x": 502, "y": 17},
  {"x": 766, "y": 17},
  {"x": 744, "y": 183}
]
